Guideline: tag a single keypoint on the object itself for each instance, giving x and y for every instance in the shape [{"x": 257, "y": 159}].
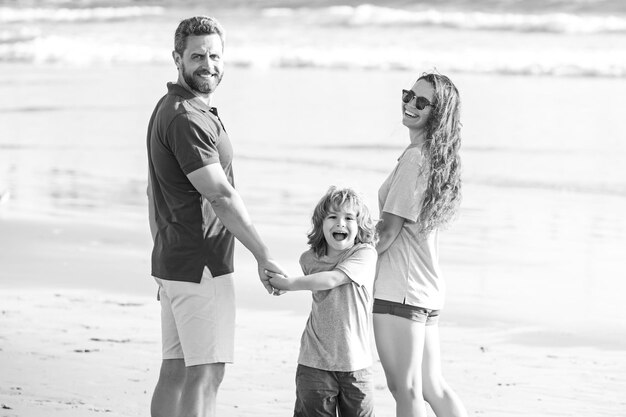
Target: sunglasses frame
[{"x": 420, "y": 102}]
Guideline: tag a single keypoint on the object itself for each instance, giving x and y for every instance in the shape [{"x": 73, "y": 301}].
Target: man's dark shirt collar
[{"x": 179, "y": 90}]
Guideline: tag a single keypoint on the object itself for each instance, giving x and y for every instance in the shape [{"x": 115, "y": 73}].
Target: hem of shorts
[
  {"x": 207, "y": 360},
  {"x": 194, "y": 279},
  {"x": 334, "y": 369},
  {"x": 172, "y": 356}
]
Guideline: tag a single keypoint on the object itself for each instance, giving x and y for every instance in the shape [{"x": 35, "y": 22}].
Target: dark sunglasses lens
[
  {"x": 421, "y": 103},
  {"x": 407, "y": 95}
]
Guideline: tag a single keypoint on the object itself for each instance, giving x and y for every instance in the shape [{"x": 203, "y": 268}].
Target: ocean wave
[
  {"x": 54, "y": 50},
  {"x": 80, "y": 51},
  {"x": 525, "y": 60},
  {"x": 597, "y": 188},
  {"x": 38, "y": 15},
  {"x": 370, "y": 15},
  {"x": 19, "y": 35},
  {"x": 573, "y": 68}
]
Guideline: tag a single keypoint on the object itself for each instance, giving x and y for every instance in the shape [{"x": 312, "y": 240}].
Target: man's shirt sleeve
[{"x": 192, "y": 143}]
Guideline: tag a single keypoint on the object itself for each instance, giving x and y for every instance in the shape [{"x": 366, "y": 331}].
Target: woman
[{"x": 421, "y": 195}]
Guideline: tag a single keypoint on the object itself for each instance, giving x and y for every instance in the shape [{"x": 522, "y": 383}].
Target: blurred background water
[
  {"x": 554, "y": 37},
  {"x": 526, "y": 41}
]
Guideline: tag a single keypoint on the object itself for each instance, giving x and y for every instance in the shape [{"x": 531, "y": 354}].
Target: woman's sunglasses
[{"x": 420, "y": 102}]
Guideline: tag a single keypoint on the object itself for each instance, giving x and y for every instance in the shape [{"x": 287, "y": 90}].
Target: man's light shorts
[{"x": 198, "y": 320}]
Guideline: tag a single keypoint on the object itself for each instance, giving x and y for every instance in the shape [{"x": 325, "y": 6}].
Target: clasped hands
[{"x": 273, "y": 278}]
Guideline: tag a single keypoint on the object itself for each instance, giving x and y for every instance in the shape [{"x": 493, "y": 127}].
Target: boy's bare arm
[{"x": 314, "y": 282}]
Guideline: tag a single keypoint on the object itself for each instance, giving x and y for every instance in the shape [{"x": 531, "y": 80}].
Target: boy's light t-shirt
[
  {"x": 337, "y": 333},
  {"x": 408, "y": 272}
]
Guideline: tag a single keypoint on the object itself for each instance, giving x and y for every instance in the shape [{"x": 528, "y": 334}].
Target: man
[{"x": 195, "y": 214}]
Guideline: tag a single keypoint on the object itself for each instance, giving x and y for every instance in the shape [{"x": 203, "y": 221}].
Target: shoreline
[{"x": 114, "y": 258}]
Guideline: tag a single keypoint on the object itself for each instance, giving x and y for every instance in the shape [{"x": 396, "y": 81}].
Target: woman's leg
[
  {"x": 400, "y": 344},
  {"x": 441, "y": 398}
]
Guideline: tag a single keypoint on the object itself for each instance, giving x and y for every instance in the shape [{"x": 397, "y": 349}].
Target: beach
[
  {"x": 534, "y": 321},
  {"x": 81, "y": 338}
]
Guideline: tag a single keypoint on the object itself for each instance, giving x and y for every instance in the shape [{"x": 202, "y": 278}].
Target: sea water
[
  {"x": 311, "y": 98},
  {"x": 556, "y": 37}
]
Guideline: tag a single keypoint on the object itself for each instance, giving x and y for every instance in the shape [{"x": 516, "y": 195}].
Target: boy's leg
[
  {"x": 316, "y": 393},
  {"x": 356, "y": 393}
]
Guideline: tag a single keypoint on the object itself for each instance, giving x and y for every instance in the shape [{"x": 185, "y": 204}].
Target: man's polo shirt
[{"x": 184, "y": 134}]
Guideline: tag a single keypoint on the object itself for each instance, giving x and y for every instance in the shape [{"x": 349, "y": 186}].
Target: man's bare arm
[{"x": 212, "y": 183}]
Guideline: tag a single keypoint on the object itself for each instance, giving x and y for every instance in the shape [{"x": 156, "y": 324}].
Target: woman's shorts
[{"x": 414, "y": 313}]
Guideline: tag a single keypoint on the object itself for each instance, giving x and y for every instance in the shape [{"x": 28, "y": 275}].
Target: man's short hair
[{"x": 194, "y": 26}]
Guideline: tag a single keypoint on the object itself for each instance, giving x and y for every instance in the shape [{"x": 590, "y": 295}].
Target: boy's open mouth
[{"x": 339, "y": 236}]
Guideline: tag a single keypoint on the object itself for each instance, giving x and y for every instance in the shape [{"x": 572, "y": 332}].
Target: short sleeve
[
  {"x": 306, "y": 260},
  {"x": 193, "y": 143},
  {"x": 360, "y": 266},
  {"x": 406, "y": 190}
]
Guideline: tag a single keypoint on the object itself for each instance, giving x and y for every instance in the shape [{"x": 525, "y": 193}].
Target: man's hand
[
  {"x": 279, "y": 281},
  {"x": 267, "y": 267},
  {"x": 211, "y": 181}
]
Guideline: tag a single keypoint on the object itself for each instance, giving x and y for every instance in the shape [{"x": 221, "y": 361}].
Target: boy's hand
[
  {"x": 266, "y": 267},
  {"x": 279, "y": 281}
]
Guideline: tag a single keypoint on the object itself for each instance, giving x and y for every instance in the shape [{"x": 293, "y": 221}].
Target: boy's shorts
[
  {"x": 321, "y": 393},
  {"x": 198, "y": 319},
  {"x": 414, "y": 313}
]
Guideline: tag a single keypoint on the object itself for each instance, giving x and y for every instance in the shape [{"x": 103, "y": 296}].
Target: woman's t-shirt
[{"x": 408, "y": 272}]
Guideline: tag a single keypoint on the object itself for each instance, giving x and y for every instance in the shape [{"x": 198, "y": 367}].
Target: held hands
[
  {"x": 269, "y": 267},
  {"x": 279, "y": 280}
]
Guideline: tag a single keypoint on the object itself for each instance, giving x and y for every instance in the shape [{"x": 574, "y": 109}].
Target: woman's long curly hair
[
  {"x": 441, "y": 147},
  {"x": 334, "y": 199}
]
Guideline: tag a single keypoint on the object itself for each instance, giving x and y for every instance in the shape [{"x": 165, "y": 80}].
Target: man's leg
[
  {"x": 199, "y": 393},
  {"x": 204, "y": 317},
  {"x": 166, "y": 397}
]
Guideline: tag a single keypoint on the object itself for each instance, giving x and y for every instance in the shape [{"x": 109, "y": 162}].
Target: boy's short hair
[
  {"x": 194, "y": 26},
  {"x": 336, "y": 198}
]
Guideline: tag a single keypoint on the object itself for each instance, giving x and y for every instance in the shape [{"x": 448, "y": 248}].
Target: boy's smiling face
[{"x": 340, "y": 229}]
